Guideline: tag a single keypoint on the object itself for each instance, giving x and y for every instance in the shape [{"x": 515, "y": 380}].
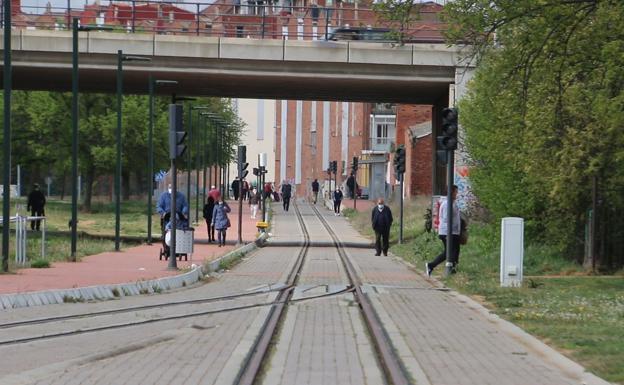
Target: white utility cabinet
[{"x": 512, "y": 251}]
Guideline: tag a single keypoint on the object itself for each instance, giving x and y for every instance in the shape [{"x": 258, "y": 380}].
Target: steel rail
[
  {"x": 391, "y": 364},
  {"x": 168, "y": 318},
  {"x": 251, "y": 367},
  {"x": 44, "y": 320}
]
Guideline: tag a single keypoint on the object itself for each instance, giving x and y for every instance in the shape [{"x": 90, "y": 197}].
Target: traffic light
[
  {"x": 448, "y": 140},
  {"x": 354, "y": 165},
  {"x": 256, "y": 171},
  {"x": 176, "y": 132},
  {"x": 333, "y": 166},
  {"x": 399, "y": 160},
  {"x": 242, "y": 164}
]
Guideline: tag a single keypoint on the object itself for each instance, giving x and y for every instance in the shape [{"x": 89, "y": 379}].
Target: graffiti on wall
[{"x": 465, "y": 197}]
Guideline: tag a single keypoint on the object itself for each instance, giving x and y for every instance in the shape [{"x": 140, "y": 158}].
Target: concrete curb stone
[{"x": 107, "y": 292}]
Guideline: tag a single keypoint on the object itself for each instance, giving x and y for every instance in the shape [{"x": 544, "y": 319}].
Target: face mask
[
  {"x": 169, "y": 191},
  {"x": 380, "y": 207},
  {"x": 221, "y": 203}
]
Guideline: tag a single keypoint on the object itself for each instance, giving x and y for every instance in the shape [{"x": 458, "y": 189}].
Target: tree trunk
[
  {"x": 63, "y": 185},
  {"x": 125, "y": 185},
  {"x": 88, "y": 188}
]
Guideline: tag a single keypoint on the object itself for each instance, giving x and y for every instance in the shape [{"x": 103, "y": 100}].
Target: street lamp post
[
  {"x": 150, "y": 153},
  {"x": 189, "y": 158},
  {"x": 120, "y": 59},
  {"x": 74, "y": 114},
  {"x": 197, "y": 148},
  {"x": 6, "y": 155}
]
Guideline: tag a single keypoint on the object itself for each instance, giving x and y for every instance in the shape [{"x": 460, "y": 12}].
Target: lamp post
[
  {"x": 150, "y": 153},
  {"x": 74, "y": 115},
  {"x": 6, "y": 155},
  {"x": 203, "y": 154},
  {"x": 196, "y": 161},
  {"x": 189, "y": 160},
  {"x": 120, "y": 59}
]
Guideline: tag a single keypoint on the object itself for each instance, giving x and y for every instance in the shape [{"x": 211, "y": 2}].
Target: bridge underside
[{"x": 263, "y": 79}]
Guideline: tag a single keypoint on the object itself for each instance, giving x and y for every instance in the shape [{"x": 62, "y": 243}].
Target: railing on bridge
[{"x": 252, "y": 19}]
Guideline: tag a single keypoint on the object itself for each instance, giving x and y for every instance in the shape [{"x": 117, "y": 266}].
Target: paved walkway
[{"x": 128, "y": 265}]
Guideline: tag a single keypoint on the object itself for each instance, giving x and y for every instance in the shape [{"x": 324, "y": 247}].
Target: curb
[
  {"x": 235, "y": 254},
  {"x": 101, "y": 292},
  {"x": 113, "y": 291}
]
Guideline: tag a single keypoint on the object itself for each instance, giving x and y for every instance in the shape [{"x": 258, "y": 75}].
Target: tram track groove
[
  {"x": 256, "y": 357},
  {"x": 392, "y": 365},
  {"x": 170, "y": 318}
]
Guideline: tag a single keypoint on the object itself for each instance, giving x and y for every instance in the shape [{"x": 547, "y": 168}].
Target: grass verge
[{"x": 577, "y": 313}]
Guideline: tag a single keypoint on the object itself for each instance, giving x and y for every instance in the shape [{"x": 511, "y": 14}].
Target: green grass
[
  {"x": 100, "y": 221},
  {"x": 575, "y": 312}
]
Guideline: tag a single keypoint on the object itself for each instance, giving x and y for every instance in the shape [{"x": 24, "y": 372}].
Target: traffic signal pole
[
  {"x": 450, "y": 266},
  {"x": 401, "y": 178}
]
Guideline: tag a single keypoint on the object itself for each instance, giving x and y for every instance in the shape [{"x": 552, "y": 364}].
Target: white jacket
[{"x": 442, "y": 229}]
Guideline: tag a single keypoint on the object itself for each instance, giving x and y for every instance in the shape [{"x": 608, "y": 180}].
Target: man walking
[
  {"x": 315, "y": 189},
  {"x": 381, "y": 220},
  {"x": 36, "y": 204},
  {"x": 286, "y": 194},
  {"x": 443, "y": 232},
  {"x": 236, "y": 187}
]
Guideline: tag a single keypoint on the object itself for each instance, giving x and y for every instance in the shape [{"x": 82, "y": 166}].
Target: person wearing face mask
[
  {"x": 382, "y": 221},
  {"x": 163, "y": 207},
  {"x": 337, "y": 201},
  {"x": 220, "y": 220}
]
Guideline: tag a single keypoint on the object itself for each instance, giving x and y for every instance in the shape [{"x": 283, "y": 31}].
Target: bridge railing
[{"x": 251, "y": 19}]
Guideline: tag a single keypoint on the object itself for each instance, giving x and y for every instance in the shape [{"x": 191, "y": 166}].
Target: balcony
[{"x": 381, "y": 144}]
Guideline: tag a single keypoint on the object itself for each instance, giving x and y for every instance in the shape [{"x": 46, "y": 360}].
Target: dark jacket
[
  {"x": 286, "y": 190},
  {"x": 381, "y": 220},
  {"x": 36, "y": 200},
  {"x": 315, "y": 186},
  {"x": 208, "y": 208},
  {"x": 255, "y": 199},
  {"x": 338, "y": 195}
]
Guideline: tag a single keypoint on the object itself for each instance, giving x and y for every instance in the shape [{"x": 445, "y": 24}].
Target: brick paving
[
  {"x": 441, "y": 336},
  {"x": 128, "y": 265}
]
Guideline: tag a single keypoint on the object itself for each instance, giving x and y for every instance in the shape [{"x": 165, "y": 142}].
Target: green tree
[{"x": 544, "y": 114}]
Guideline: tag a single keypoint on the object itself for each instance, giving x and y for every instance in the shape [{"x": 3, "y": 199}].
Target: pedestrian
[
  {"x": 254, "y": 201},
  {"x": 208, "y": 208},
  {"x": 163, "y": 207},
  {"x": 215, "y": 193},
  {"x": 443, "y": 232},
  {"x": 36, "y": 206},
  {"x": 236, "y": 188},
  {"x": 337, "y": 201},
  {"x": 315, "y": 189},
  {"x": 286, "y": 191},
  {"x": 245, "y": 189},
  {"x": 220, "y": 220},
  {"x": 351, "y": 185},
  {"x": 268, "y": 190},
  {"x": 381, "y": 220}
]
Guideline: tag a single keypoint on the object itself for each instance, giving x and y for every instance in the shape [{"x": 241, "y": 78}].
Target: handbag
[
  {"x": 463, "y": 232},
  {"x": 228, "y": 223}
]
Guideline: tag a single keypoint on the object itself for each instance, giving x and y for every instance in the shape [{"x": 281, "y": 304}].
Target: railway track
[
  {"x": 389, "y": 361},
  {"x": 27, "y": 331}
]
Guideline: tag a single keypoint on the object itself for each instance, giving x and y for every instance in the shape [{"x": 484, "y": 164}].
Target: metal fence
[{"x": 259, "y": 19}]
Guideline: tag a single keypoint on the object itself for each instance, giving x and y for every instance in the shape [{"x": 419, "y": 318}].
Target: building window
[{"x": 240, "y": 31}]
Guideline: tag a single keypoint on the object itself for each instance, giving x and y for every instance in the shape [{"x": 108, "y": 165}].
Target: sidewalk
[{"x": 129, "y": 265}]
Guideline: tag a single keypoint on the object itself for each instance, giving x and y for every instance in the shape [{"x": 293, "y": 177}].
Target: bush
[{"x": 40, "y": 263}]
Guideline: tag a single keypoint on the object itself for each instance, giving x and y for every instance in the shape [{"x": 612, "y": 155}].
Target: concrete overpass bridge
[{"x": 238, "y": 67}]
